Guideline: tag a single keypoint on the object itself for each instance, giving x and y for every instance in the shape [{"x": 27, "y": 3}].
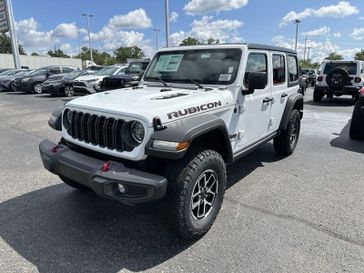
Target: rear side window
[
  {"x": 67, "y": 69},
  {"x": 292, "y": 68},
  {"x": 351, "y": 67},
  {"x": 55, "y": 70},
  {"x": 279, "y": 69},
  {"x": 257, "y": 62}
]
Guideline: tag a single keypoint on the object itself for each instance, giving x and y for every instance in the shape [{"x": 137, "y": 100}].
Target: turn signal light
[
  {"x": 55, "y": 149},
  {"x": 105, "y": 166},
  {"x": 182, "y": 145}
]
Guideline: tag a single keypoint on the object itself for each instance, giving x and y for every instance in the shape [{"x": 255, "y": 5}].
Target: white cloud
[
  {"x": 342, "y": 9},
  {"x": 134, "y": 19},
  {"x": 318, "y": 50},
  {"x": 204, "y": 6},
  {"x": 361, "y": 18},
  {"x": 173, "y": 17},
  {"x": 357, "y": 34},
  {"x": 224, "y": 30},
  {"x": 65, "y": 30},
  {"x": 337, "y": 35},
  {"x": 318, "y": 32}
]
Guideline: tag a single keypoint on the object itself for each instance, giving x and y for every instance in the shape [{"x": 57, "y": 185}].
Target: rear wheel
[
  {"x": 285, "y": 143},
  {"x": 196, "y": 192},
  {"x": 317, "y": 95},
  {"x": 37, "y": 88},
  {"x": 357, "y": 122}
]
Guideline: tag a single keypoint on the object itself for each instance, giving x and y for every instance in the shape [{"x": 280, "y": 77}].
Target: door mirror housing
[{"x": 256, "y": 80}]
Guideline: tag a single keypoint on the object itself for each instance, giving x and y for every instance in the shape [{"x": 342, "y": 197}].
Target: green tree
[
  {"x": 212, "y": 41},
  {"x": 359, "y": 56},
  {"x": 122, "y": 54},
  {"x": 100, "y": 58},
  {"x": 5, "y": 45},
  {"x": 58, "y": 53},
  {"x": 189, "y": 41},
  {"x": 308, "y": 64},
  {"x": 334, "y": 56}
]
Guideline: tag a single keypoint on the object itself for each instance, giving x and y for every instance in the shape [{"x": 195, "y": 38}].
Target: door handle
[
  {"x": 284, "y": 95},
  {"x": 267, "y": 100}
]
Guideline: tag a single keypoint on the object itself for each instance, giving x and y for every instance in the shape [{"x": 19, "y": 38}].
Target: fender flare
[
  {"x": 188, "y": 129},
  {"x": 55, "y": 120},
  {"x": 294, "y": 101}
]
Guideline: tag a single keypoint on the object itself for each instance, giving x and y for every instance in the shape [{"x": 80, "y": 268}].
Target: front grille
[
  {"x": 99, "y": 130},
  {"x": 110, "y": 84}
]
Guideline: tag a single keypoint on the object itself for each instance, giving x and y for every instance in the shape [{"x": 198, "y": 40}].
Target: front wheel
[
  {"x": 285, "y": 143},
  {"x": 37, "y": 88},
  {"x": 68, "y": 90},
  {"x": 196, "y": 193}
]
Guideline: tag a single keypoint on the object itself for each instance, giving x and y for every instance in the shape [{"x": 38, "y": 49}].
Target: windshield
[
  {"x": 73, "y": 75},
  {"x": 107, "y": 71},
  {"x": 134, "y": 68},
  {"x": 351, "y": 67},
  {"x": 38, "y": 72},
  {"x": 7, "y": 72},
  {"x": 204, "y": 66}
]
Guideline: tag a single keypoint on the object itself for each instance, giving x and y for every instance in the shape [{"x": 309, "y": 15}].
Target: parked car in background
[
  {"x": 89, "y": 84},
  {"x": 62, "y": 85},
  {"x": 131, "y": 76},
  {"x": 310, "y": 76},
  {"x": 3, "y": 70},
  {"x": 94, "y": 68},
  {"x": 337, "y": 78},
  {"x": 32, "y": 83},
  {"x": 357, "y": 119},
  {"x": 7, "y": 82}
]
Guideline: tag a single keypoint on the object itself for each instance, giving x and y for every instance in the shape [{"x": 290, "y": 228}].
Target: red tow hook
[
  {"x": 105, "y": 166},
  {"x": 55, "y": 149}
]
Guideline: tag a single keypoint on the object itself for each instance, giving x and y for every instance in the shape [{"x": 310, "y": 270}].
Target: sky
[{"x": 329, "y": 25}]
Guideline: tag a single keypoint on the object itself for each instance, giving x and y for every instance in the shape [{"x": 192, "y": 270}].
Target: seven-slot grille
[{"x": 99, "y": 130}]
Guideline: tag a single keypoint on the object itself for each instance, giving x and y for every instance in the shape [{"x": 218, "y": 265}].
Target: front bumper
[
  {"x": 140, "y": 186},
  {"x": 55, "y": 89},
  {"x": 23, "y": 86},
  {"x": 346, "y": 90},
  {"x": 85, "y": 88}
]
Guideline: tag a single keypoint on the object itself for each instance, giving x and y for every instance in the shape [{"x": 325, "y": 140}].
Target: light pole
[
  {"x": 297, "y": 22},
  {"x": 79, "y": 44},
  {"x": 308, "y": 53},
  {"x": 88, "y": 16},
  {"x": 156, "y": 38},
  {"x": 14, "y": 41},
  {"x": 166, "y": 5}
]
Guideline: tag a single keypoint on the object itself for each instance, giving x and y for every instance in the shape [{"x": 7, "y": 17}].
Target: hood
[
  {"x": 147, "y": 103},
  {"x": 7, "y": 78},
  {"x": 89, "y": 77}
]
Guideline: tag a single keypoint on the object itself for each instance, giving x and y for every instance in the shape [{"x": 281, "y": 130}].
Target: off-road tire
[
  {"x": 286, "y": 142},
  {"x": 182, "y": 180},
  {"x": 317, "y": 95},
  {"x": 357, "y": 123},
  {"x": 73, "y": 184}
]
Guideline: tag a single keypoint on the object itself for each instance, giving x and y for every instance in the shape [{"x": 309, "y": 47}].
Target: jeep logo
[{"x": 192, "y": 110}]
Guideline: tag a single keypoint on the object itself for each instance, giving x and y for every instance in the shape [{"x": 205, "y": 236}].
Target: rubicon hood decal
[{"x": 193, "y": 110}]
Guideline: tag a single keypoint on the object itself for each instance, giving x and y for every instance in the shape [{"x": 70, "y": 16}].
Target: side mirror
[{"x": 256, "y": 80}]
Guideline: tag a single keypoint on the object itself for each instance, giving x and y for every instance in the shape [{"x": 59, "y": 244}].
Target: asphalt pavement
[{"x": 303, "y": 213}]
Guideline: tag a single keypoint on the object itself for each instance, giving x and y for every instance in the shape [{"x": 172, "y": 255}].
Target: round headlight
[
  {"x": 67, "y": 119},
  {"x": 137, "y": 131}
]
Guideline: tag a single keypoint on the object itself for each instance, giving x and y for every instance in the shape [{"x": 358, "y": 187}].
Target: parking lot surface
[{"x": 304, "y": 213}]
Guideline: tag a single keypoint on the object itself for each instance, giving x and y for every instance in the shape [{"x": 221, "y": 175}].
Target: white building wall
[{"x": 6, "y": 61}]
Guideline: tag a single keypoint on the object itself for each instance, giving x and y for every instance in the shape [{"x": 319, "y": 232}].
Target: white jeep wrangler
[
  {"x": 196, "y": 110},
  {"x": 339, "y": 78}
]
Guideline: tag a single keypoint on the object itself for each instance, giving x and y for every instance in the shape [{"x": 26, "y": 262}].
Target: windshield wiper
[
  {"x": 159, "y": 79},
  {"x": 195, "y": 82}
]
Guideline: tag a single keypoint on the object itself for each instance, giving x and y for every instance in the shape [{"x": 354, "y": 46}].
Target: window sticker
[
  {"x": 168, "y": 63},
  {"x": 231, "y": 69},
  {"x": 205, "y": 55},
  {"x": 224, "y": 77}
]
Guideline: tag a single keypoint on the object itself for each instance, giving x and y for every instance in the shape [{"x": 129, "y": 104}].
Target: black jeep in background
[{"x": 131, "y": 77}]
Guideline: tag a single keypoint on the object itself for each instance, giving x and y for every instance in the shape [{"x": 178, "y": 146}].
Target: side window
[
  {"x": 67, "y": 69},
  {"x": 257, "y": 62},
  {"x": 55, "y": 70},
  {"x": 292, "y": 69},
  {"x": 279, "y": 69}
]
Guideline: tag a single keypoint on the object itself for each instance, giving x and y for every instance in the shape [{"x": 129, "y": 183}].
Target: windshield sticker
[
  {"x": 224, "y": 77},
  {"x": 168, "y": 63},
  {"x": 231, "y": 69},
  {"x": 205, "y": 56}
]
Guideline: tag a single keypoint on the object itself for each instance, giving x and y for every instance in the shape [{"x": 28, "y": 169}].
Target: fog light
[{"x": 121, "y": 188}]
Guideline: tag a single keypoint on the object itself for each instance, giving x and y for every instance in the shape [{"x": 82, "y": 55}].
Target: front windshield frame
[
  {"x": 223, "y": 73},
  {"x": 107, "y": 71}
]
